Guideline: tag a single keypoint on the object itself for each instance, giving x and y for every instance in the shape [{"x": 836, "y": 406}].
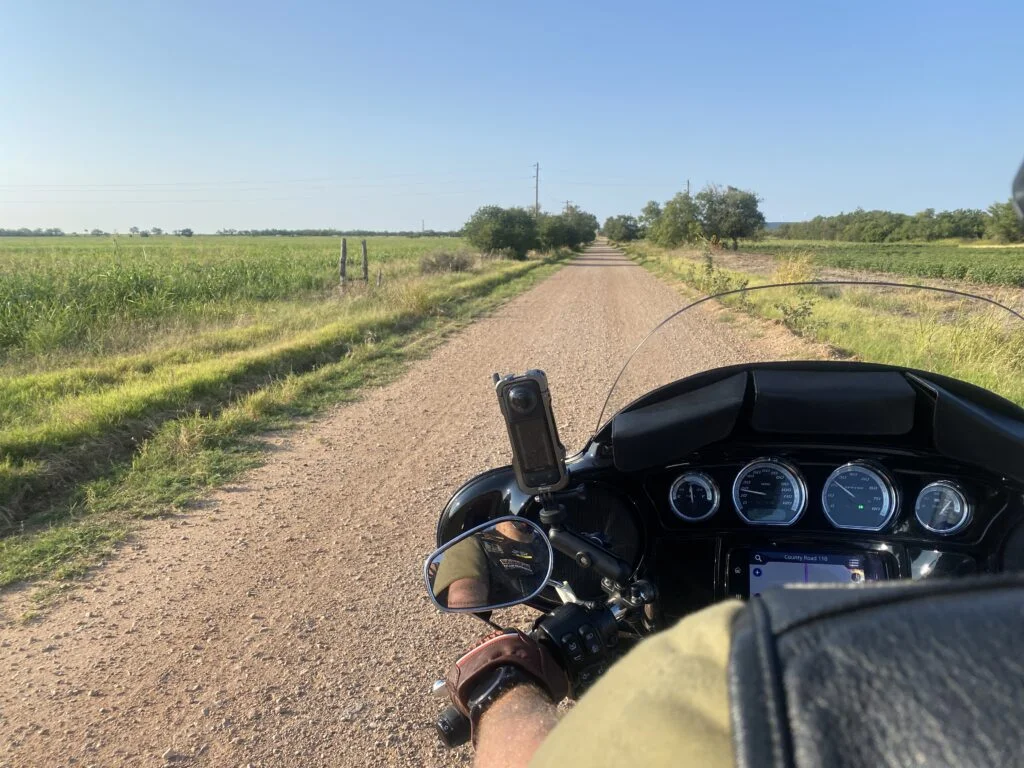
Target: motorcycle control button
[
  {"x": 572, "y": 647},
  {"x": 591, "y": 641}
]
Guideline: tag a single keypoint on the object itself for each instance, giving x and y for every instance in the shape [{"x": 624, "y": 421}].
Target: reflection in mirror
[{"x": 501, "y": 563}]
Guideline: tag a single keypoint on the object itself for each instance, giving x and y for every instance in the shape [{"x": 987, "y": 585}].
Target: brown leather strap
[{"x": 513, "y": 648}]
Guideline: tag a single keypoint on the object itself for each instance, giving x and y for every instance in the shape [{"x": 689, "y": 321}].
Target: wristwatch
[
  {"x": 499, "y": 663},
  {"x": 490, "y": 689}
]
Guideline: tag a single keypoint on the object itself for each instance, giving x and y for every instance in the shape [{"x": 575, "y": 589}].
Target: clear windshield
[{"x": 975, "y": 338}]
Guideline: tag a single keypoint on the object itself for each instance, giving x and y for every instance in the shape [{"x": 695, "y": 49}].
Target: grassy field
[
  {"x": 135, "y": 375},
  {"x": 1000, "y": 265},
  {"x": 957, "y": 337}
]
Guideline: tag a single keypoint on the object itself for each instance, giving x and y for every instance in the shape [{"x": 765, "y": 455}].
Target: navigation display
[{"x": 777, "y": 569}]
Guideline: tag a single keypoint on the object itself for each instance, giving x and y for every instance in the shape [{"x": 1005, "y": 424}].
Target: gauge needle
[
  {"x": 943, "y": 510},
  {"x": 846, "y": 490},
  {"x": 691, "y": 495},
  {"x": 756, "y": 493}
]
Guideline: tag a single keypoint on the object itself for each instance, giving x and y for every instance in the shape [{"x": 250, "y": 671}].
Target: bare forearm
[{"x": 513, "y": 727}]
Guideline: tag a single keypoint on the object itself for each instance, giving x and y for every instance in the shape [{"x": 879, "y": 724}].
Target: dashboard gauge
[
  {"x": 942, "y": 507},
  {"x": 769, "y": 492},
  {"x": 859, "y": 497},
  {"x": 694, "y": 497}
]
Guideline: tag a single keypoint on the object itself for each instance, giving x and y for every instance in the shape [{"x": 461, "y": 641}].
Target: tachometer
[
  {"x": 859, "y": 497},
  {"x": 769, "y": 492},
  {"x": 694, "y": 497},
  {"x": 942, "y": 507}
]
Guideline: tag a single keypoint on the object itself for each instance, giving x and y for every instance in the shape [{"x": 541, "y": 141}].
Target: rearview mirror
[{"x": 500, "y": 563}]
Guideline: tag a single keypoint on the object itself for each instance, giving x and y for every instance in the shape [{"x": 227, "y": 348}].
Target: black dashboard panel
[{"x": 714, "y": 424}]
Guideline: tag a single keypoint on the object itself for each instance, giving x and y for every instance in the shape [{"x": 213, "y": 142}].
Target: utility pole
[
  {"x": 568, "y": 204},
  {"x": 687, "y": 187},
  {"x": 536, "y": 189}
]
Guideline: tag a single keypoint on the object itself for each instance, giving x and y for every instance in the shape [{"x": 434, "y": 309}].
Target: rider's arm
[
  {"x": 512, "y": 728},
  {"x": 665, "y": 703},
  {"x": 462, "y": 577},
  {"x": 467, "y": 593}
]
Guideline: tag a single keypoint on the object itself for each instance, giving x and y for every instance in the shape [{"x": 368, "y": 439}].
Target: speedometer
[
  {"x": 859, "y": 497},
  {"x": 769, "y": 492}
]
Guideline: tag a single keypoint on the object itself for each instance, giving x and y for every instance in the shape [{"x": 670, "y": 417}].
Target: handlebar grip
[{"x": 453, "y": 728}]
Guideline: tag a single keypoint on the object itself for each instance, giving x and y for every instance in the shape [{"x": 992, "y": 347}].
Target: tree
[
  {"x": 155, "y": 231},
  {"x": 677, "y": 223},
  {"x": 729, "y": 214},
  {"x": 185, "y": 232},
  {"x": 555, "y": 232},
  {"x": 97, "y": 232},
  {"x": 133, "y": 231},
  {"x": 493, "y": 229},
  {"x": 1003, "y": 224},
  {"x": 622, "y": 229},
  {"x": 584, "y": 225},
  {"x": 649, "y": 217}
]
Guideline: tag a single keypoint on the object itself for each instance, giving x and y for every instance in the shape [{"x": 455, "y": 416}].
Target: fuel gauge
[
  {"x": 694, "y": 497},
  {"x": 942, "y": 507}
]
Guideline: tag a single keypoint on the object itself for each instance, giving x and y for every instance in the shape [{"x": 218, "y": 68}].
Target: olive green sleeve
[
  {"x": 463, "y": 561},
  {"x": 665, "y": 703}
]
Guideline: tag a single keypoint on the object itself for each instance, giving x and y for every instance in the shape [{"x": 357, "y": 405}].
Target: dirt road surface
[{"x": 285, "y": 622}]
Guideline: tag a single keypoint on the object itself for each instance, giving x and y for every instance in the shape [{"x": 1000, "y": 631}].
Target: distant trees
[
  {"x": 155, "y": 231},
  {"x": 133, "y": 231},
  {"x": 862, "y": 226},
  {"x": 728, "y": 214},
  {"x": 1003, "y": 224},
  {"x": 336, "y": 233},
  {"x": 718, "y": 213},
  {"x": 186, "y": 232},
  {"x": 649, "y": 217},
  {"x": 493, "y": 229},
  {"x": 621, "y": 229},
  {"x": 516, "y": 231},
  {"x": 26, "y": 232}
]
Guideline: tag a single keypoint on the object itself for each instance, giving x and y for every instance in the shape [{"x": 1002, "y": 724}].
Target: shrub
[{"x": 446, "y": 261}]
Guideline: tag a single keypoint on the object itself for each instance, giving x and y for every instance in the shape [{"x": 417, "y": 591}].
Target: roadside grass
[
  {"x": 954, "y": 336},
  {"x": 88, "y": 449},
  {"x": 951, "y": 260}
]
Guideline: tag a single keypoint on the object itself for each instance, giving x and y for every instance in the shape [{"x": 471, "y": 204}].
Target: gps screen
[{"x": 777, "y": 569}]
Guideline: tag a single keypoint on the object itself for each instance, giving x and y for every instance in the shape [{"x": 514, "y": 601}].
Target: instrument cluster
[{"x": 859, "y": 495}]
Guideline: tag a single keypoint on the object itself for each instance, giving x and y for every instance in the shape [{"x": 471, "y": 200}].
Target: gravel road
[{"x": 284, "y": 622}]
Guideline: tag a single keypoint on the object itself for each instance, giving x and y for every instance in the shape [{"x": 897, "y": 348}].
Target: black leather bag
[{"x": 927, "y": 674}]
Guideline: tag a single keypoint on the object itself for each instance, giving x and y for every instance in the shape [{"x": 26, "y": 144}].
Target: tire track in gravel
[{"x": 284, "y": 623}]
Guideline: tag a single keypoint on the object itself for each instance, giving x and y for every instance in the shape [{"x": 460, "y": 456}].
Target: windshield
[{"x": 975, "y": 338}]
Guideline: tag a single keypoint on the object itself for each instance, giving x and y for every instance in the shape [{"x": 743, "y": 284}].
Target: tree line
[
  {"x": 718, "y": 214},
  {"x": 338, "y": 232},
  {"x": 514, "y": 232},
  {"x": 999, "y": 223}
]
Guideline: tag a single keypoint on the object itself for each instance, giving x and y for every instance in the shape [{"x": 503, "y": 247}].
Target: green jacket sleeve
[
  {"x": 463, "y": 561},
  {"x": 665, "y": 703}
]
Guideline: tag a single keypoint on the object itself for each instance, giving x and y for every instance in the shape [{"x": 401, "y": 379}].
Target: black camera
[{"x": 538, "y": 456}]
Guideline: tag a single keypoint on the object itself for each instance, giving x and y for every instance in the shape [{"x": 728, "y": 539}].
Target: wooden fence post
[
  {"x": 366, "y": 265},
  {"x": 343, "y": 261}
]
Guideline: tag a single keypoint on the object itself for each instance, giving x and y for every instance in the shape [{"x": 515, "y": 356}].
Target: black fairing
[
  {"x": 926, "y": 674},
  {"x": 485, "y": 497},
  {"x": 826, "y": 399}
]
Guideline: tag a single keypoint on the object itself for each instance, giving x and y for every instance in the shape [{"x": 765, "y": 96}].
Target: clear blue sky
[{"x": 383, "y": 114}]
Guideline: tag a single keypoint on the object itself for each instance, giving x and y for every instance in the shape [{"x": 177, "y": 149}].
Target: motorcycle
[{"x": 899, "y": 457}]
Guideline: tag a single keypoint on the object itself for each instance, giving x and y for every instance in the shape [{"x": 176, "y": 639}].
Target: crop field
[
  {"x": 999, "y": 265},
  {"x": 962, "y": 338},
  {"x": 135, "y": 374}
]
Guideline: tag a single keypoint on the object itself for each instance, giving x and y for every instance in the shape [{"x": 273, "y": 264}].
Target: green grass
[
  {"x": 957, "y": 337},
  {"x": 999, "y": 265},
  {"x": 96, "y": 435}
]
